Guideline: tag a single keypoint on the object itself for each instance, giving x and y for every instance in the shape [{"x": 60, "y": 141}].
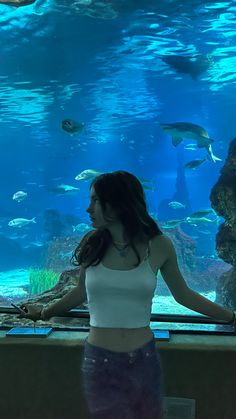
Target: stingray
[
  {"x": 71, "y": 126},
  {"x": 194, "y": 66}
]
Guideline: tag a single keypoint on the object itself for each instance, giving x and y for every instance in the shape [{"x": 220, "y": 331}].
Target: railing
[{"x": 160, "y": 318}]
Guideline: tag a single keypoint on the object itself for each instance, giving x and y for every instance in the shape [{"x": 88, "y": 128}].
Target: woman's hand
[{"x": 32, "y": 311}]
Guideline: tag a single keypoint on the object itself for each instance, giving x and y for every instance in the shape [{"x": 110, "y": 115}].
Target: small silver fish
[
  {"x": 171, "y": 224},
  {"x": 87, "y": 174},
  {"x": 81, "y": 227},
  {"x": 21, "y": 222},
  {"x": 176, "y": 205},
  {"x": 19, "y": 196}
]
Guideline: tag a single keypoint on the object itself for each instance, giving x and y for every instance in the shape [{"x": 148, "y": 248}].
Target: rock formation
[
  {"x": 223, "y": 200},
  {"x": 180, "y": 194}
]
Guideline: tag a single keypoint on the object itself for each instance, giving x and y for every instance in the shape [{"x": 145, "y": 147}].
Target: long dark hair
[{"x": 125, "y": 194}]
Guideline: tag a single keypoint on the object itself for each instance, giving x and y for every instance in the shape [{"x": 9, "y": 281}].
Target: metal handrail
[{"x": 164, "y": 318}]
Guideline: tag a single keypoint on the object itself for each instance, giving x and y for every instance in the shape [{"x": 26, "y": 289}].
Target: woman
[{"x": 120, "y": 259}]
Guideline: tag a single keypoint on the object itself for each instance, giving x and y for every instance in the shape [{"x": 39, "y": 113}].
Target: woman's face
[{"x": 95, "y": 211}]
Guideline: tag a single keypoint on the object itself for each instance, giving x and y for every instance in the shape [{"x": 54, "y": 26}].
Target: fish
[
  {"x": 193, "y": 164},
  {"x": 193, "y": 66},
  {"x": 64, "y": 189},
  {"x": 37, "y": 243},
  {"x": 192, "y": 147},
  {"x": 21, "y": 222},
  {"x": 19, "y": 196},
  {"x": 149, "y": 187},
  {"x": 204, "y": 231},
  {"x": 176, "y": 205},
  {"x": 201, "y": 220},
  {"x": 147, "y": 184},
  {"x": 81, "y": 227},
  {"x": 88, "y": 174},
  {"x": 202, "y": 213},
  {"x": 171, "y": 224},
  {"x": 71, "y": 126},
  {"x": 180, "y": 130}
]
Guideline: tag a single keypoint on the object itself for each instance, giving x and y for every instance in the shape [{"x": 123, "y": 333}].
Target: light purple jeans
[{"x": 123, "y": 385}]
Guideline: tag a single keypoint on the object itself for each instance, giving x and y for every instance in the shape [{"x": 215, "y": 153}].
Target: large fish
[
  {"x": 180, "y": 130},
  {"x": 194, "y": 66},
  {"x": 63, "y": 189}
]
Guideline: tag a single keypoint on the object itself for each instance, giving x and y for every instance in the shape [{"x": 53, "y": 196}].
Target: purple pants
[{"x": 123, "y": 385}]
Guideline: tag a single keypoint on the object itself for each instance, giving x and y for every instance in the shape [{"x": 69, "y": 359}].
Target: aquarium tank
[{"x": 91, "y": 86}]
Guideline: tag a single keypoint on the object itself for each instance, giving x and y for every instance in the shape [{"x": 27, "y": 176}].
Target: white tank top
[{"x": 118, "y": 298}]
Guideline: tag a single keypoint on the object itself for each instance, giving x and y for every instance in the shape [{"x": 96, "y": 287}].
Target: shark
[{"x": 180, "y": 130}]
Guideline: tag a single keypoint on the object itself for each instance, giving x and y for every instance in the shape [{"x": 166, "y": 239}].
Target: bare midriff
[{"x": 119, "y": 340}]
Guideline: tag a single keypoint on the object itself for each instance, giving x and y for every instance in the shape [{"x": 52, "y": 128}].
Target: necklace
[{"x": 122, "y": 252}]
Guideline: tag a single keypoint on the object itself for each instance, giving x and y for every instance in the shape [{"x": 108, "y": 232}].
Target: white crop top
[{"x": 118, "y": 298}]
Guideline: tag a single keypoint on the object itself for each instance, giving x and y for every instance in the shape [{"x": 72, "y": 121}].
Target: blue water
[{"x": 101, "y": 64}]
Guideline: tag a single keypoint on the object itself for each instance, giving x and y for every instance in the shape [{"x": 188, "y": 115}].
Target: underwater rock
[
  {"x": 12, "y": 254},
  {"x": 223, "y": 201},
  {"x": 165, "y": 212},
  {"x": 226, "y": 289},
  {"x": 58, "y": 224},
  {"x": 59, "y": 253},
  {"x": 53, "y": 225},
  {"x": 185, "y": 248},
  {"x": 67, "y": 280}
]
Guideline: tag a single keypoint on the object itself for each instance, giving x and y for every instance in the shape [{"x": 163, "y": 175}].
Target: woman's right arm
[{"x": 73, "y": 298}]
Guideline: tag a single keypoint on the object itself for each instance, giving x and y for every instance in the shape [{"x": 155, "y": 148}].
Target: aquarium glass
[{"x": 90, "y": 86}]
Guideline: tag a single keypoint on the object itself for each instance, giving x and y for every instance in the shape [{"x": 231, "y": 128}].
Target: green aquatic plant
[{"x": 41, "y": 280}]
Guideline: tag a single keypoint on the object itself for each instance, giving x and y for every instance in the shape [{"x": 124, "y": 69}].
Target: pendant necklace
[{"x": 122, "y": 252}]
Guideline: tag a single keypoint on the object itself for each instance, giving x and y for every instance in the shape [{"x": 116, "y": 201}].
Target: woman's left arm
[{"x": 185, "y": 295}]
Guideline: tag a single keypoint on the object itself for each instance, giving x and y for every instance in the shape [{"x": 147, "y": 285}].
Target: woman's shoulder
[
  {"x": 161, "y": 248},
  {"x": 161, "y": 242},
  {"x": 161, "y": 238}
]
